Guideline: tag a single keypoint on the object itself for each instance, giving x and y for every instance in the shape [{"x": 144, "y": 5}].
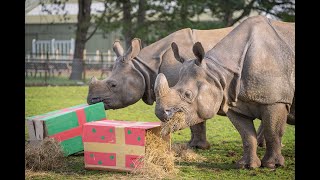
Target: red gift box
[{"x": 116, "y": 145}]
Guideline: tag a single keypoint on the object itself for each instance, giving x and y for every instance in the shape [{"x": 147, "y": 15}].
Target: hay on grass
[
  {"x": 183, "y": 153},
  {"x": 45, "y": 156}
]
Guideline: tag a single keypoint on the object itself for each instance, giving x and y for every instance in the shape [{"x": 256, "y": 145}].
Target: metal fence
[{"x": 55, "y": 69}]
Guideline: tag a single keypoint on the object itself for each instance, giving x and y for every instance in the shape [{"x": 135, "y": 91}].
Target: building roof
[{"x": 36, "y": 15}]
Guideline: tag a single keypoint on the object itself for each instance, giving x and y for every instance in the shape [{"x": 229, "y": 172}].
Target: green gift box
[{"x": 65, "y": 125}]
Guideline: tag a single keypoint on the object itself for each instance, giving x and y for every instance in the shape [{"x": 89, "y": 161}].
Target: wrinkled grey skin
[
  {"x": 249, "y": 74},
  {"x": 135, "y": 71}
]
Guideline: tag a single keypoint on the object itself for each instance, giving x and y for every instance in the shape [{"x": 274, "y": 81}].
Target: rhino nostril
[{"x": 167, "y": 111}]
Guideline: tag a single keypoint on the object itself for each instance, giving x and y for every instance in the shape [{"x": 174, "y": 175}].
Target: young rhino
[{"x": 249, "y": 74}]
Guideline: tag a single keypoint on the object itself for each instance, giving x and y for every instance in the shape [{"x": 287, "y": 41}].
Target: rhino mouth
[{"x": 106, "y": 102}]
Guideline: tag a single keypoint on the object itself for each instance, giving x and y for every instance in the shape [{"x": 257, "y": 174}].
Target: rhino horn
[
  {"x": 161, "y": 85},
  {"x": 134, "y": 49},
  {"x": 176, "y": 54},
  {"x": 93, "y": 80},
  {"x": 198, "y": 51},
  {"x": 117, "y": 48}
]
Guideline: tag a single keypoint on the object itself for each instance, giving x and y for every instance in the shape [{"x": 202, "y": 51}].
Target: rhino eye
[
  {"x": 112, "y": 84},
  {"x": 188, "y": 94}
]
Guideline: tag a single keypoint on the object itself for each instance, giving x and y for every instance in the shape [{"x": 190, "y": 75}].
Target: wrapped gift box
[
  {"x": 65, "y": 125},
  {"x": 116, "y": 145}
]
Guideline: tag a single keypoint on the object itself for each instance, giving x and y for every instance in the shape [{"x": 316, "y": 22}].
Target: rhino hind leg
[
  {"x": 260, "y": 137},
  {"x": 198, "y": 136},
  {"x": 274, "y": 121},
  {"x": 245, "y": 127}
]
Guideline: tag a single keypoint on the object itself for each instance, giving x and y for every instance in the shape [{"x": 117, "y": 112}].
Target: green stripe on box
[
  {"x": 72, "y": 145},
  {"x": 61, "y": 123},
  {"x": 34, "y": 117},
  {"x": 95, "y": 112},
  {"x": 56, "y": 112}
]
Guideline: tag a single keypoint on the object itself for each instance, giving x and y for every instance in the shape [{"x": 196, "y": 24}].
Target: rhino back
[
  {"x": 209, "y": 38},
  {"x": 286, "y": 31},
  {"x": 260, "y": 62},
  {"x": 268, "y": 74}
]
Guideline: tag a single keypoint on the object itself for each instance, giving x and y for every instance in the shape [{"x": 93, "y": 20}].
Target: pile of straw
[
  {"x": 45, "y": 156},
  {"x": 158, "y": 162},
  {"x": 183, "y": 153}
]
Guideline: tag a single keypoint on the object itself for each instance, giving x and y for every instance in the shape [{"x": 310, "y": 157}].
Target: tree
[
  {"x": 84, "y": 23},
  {"x": 81, "y": 38}
]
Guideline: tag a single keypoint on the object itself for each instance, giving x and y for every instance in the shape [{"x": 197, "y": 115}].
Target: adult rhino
[
  {"x": 134, "y": 72},
  {"x": 249, "y": 74}
]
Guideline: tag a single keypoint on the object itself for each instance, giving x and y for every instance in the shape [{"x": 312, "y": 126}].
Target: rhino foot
[
  {"x": 273, "y": 161},
  {"x": 199, "y": 144},
  {"x": 249, "y": 162}
]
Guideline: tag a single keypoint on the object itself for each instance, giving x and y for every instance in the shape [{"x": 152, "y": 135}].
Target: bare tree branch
[{"x": 99, "y": 22}]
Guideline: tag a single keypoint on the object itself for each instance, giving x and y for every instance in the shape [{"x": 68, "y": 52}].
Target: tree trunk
[
  {"x": 184, "y": 13},
  {"x": 227, "y": 18},
  {"x": 141, "y": 17},
  {"x": 81, "y": 38},
  {"x": 127, "y": 22}
]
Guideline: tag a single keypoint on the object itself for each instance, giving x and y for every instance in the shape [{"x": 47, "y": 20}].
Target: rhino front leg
[
  {"x": 245, "y": 127},
  {"x": 198, "y": 136},
  {"x": 274, "y": 121}
]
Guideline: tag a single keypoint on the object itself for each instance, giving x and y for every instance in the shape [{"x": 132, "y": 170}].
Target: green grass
[
  {"x": 58, "y": 81},
  {"x": 221, "y": 134}
]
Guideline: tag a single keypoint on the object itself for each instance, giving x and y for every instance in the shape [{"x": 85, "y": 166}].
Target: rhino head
[
  {"x": 197, "y": 96},
  {"x": 124, "y": 86}
]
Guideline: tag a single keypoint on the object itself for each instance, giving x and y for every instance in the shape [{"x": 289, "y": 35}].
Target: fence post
[
  {"x": 33, "y": 47},
  {"x": 97, "y": 58},
  {"x": 72, "y": 45},
  {"x": 84, "y": 65},
  {"x": 52, "y": 46},
  {"x": 46, "y": 68},
  {"x": 109, "y": 58}
]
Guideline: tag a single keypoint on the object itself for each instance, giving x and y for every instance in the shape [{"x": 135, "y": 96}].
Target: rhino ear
[
  {"x": 134, "y": 49},
  {"x": 93, "y": 80},
  {"x": 161, "y": 85},
  {"x": 117, "y": 48},
  {"x": 198, "y": 51},
  {"x": 176, "y": 54}
]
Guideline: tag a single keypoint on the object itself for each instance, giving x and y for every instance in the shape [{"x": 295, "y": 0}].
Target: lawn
[{"x": 226, "y": 145}]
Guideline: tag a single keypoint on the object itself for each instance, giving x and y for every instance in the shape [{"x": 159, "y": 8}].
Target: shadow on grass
[{"x": 209, "y": 165}]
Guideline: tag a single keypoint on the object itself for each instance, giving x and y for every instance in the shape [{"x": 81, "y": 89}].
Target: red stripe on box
[
  {"x": 101, "y": 134},
  {"x": 134, "y": 136},
  {"x": 81, "y": 116},
  {"x": 62, "y": 136},
  {"x": 133, "y": 161},
  {"x": 99, "y": 158}
]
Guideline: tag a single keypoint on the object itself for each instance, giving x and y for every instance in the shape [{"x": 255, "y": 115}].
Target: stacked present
[
  {"x": 107, "y": 144},
  {"x": 65, "y": 125},
  {"x": 116, "y": 145}
]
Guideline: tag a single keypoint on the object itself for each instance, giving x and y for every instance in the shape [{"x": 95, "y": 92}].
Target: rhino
[
  {"x": 134, "y": 72},
  {"x": 248, "y": 75}
]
